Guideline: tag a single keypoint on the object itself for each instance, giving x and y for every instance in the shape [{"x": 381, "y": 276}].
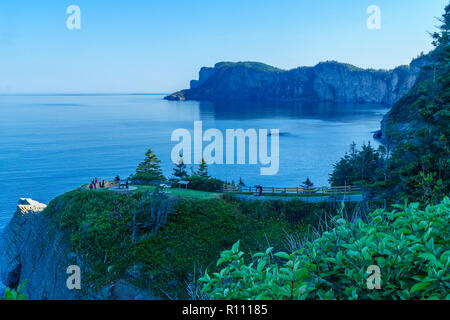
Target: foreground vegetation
[
  {"x": 410, "y": 246},
  {"x": 15, "y": 294}
]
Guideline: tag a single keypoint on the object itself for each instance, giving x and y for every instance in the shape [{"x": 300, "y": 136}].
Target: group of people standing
[{"x": 95, "y": 183}]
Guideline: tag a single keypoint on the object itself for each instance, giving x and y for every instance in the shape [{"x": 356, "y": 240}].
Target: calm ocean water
[{"x": 53, "y": 144}]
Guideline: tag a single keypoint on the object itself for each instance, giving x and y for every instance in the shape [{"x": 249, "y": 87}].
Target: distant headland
[{"x": 327, "y": 81}]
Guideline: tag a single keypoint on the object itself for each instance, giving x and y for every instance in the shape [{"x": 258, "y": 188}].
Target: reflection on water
[
  {"x": 52, "y": 144},
  {"x": 325, "y": 111}
]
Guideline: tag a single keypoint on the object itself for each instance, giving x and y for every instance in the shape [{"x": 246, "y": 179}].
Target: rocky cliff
[
  {"x": 33, "y": 250},
  {"x": 404, "y": 115},
  {"x": 327, "y": 81}
]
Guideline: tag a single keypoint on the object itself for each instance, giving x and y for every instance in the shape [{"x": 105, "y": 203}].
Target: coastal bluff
[
  {"x": 327, "y": 81},
  {"x": 34, "y": 251}
]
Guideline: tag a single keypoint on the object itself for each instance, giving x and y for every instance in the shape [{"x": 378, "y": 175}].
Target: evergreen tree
[
  {"x": 307, "y": 183},
  {"x": 149, "y": 169},
  {"x": 180, "y": 169},
  {"x": 441, "y": 37},
  {"x": 241, "y": 183},
  {"x": 359, "y": 167},
  {"x": 203, "y": 169}
]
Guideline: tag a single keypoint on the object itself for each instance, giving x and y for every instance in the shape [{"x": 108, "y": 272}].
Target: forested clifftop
[{"x": 327, "y": 81}]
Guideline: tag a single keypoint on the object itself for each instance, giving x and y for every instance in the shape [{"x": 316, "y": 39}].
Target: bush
[
  {"x": 410, "y": 246},
  {"x": 11, "y": 294},
  {"x": 204, "y": 184},
  {"x": 146, "y": 178}
]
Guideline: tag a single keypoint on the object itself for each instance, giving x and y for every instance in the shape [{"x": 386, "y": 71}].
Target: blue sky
[{"x": 159, "y": 45}]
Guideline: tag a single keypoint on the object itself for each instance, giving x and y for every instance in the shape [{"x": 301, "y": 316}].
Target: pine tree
[
  {"x": 241, "y": 183},
  {"x": 203, "y": 169},
  {"x": 180, "y": 169},
  {"x": 149, "y": 169},
  {"x": 442, "y": 36},
  {"x": 307, "y": 185},
  {"x": 359, "y": 167}
]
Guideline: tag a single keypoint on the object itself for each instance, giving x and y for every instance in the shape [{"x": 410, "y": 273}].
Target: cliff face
[
  {"x": 33, "y": 250},
  {"x": 403, "y": 116},
  {"x": 328, "y": 81}
]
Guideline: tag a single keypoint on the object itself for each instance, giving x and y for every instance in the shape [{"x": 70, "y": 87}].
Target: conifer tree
[
  {"x": 180, "y": 169},
  {"x": 149, "y": 169},
  {"x": 308, "y": 185},
  {"x": 203, "y": 169}
]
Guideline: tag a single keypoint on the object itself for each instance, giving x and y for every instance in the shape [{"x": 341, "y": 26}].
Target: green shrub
[
  {"x": 146, "y": 178},
  {"x": 204, "y": 184},
  {"x": 410, "y": 246},
  {"x": 17, "y": 294}
]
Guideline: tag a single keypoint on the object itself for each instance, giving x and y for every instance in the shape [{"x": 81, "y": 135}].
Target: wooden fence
[{"x": 227, "y": 188}]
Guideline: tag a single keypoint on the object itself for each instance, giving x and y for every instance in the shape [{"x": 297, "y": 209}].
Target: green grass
[{"x": 185, "y": 193}]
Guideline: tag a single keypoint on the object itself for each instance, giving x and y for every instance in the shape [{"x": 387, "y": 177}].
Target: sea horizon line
[{"x": 88, "y": 94}]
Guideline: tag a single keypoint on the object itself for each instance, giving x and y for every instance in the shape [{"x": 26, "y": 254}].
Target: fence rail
[{"x": 227, "y": 188}]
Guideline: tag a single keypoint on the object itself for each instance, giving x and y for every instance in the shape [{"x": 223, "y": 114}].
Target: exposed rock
[
  {"x": 177, "y": 96},
  {"x": 378, "y": 135},
  {"x": 327, "y": 81},
  {"x": 27, "y": 206}
]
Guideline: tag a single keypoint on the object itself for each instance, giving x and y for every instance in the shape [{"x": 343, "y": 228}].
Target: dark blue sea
[{"x": 51, "y": 144}]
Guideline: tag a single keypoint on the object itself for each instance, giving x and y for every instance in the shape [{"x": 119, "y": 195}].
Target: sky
[{"x": 158, "y": 46}]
